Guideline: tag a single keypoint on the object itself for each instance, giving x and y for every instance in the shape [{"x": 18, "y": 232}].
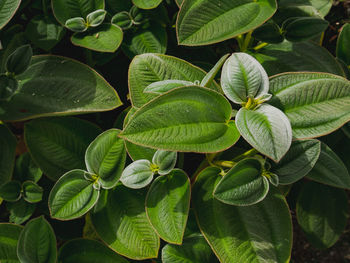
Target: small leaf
[
  {"x": 206, "y": 81},
  {"x": 8, "y": 87},
  {"x": 343, "y": 44},
  {"x": 322, "y": 213},
  {"x": 105, "y": 38},
  {"x": 137, "y": 174},
  {"x": 167, "y": 205},
  {"x": 243, "y": 185},
  {"x": 147, "y": 4},
  {"x": 37, "y": 242},
  {"x": 76, "y": 24},
  {"x": 32, "y": 192},
  {"x": 72, "y": 196},
  {"x": 9, "y": 234},
  {"x": 19, "y": 60},
  {"x": 8, "y": 145},
  {"x": 160, "y": 87},
  {"x": 10, "y": 191},
  {"x": 165, "y": 161},
  {"x": 20, "y": 211},
  {"x": 96, "y": 18},
  {"x": 269, "y": 32},
  {"x": 122, "y": 19},
  {"x": 7, "y": 11},
  {"x": 243, "y": 77},
  {"x": 26, "y": 169},
  {"x": 106, "y": 157},
  {"x": 298, "y": 161},
  {"x": 267, "y": 129},
  {"x": 329, "y": 169}
]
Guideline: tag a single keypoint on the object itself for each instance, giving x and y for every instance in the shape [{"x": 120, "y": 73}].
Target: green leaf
[
  {"x": 44, "y": 32},
  {"x": 267, "y": 129},
  {"x": 96, "y": 18},
  {"x": 165, "y": 161},
  {"x": 122, "y": 224},
  {"x": 147, "y": 4},
  {"x": 243, "y": 77},
  {"x": 329, "y": 169},
  {"x": 10, "y": 191},
  {"x": 137, "y": 152},
  {"x": 8, "y": 9},
  {"x": 9, "y": 234},
  {"x": 189, "y": 119},
  {"x": 148, "y": 68},
  {"x": 54, "y": 86},
  {"x": 72, "y": 196},
  {"x": 37, "y": 242},
  {"x": 232, "y": 231},
  {"x": 32, "y": 192},
  {"x": 138, "y": 174},
  {"x": 243, "y": 185},
  {"x": 76, "y": 24},
  {"x": 8, "y": 87},
  {"x": 167, "y": 205},
  {"x": 322, "y": 213},
  {"x": 298, "y": 162},
  {"x": 208, "y": 79},
  {"x": 315, "y": 103},
  {"x": 58, "y": 145},
  {"x": 163, "y": 86},
  {"x": 343, "y": 44},
  {"x": 66, "y": 9},
  {"x": 19, "y": 60},
  {"x": 194, "y": 249},
  {"x": 106, "y": 157},
  {"x": 322, "y": 6},
  {"x": 26, "y": 169},
  {"x": 87, "y": 251},
  {"x": 123, "y": 20},
  {"x": 8, "y": 145},
  {"x": 269, "y": 32},
  {"x": 200, "y": 21},
  {"x": 20, "y": 211},
  {"x": 292, "y": 57},
  {"x": 105, "y": 38}
]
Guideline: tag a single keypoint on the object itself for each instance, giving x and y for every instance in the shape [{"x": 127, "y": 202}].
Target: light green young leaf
[
  {"x": 9, "y": 234},
  {"x": 267, "y": 129},
  {"x": 8, "y": 9},
  {"x": 160, "y": 87},
  {"x": 200, "y": 22},
  {"x": 96, "y": 18},
  {"x": 147, "y": 4},
  {"x": 167, "y": 205},
  {"x": 343, "y": 44},
  {"x": 32, "y": 192},
  {"x": 138, "y": 174},
  {"x": 122, "y": 19},
  {"x": 165, "y": 161},
  {"x": 189, "y": 119},
  {"x": 76, "y": 24},
  {"x": 72, "y": 196}
]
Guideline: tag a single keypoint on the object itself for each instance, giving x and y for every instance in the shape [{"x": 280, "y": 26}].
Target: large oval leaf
[
  {"x": 87, "y": 251},
  {"x": 298, "y": 161},
  {"x": 322, "y": 213},
  {"x": 8, "y": 145},
  {"x": 106, "y": 157},
  {"x": 58, "y": 145},
  {"x": 9, "y": 234},
  {"x": 315, "y": 103},
  {"x": 343, "y": 44},
  {"x": 189, "y": 119},
  {"x": 149, "y": 68},
  {"x": 329, "y": 169},
  {"x": 122, "y": 224},
  {"x": 37, "y": 242},
  {"x": 267, "y": 129},
  {"x": 167, "y": 205},
  {"x": 8, "y": 9},
  {"x": 243, "y": 234},
  {"x": 203, "y": 22},
  {"x": 243, "y": 185},
  {"x": 65, "y": 9},
  {"x": 322, "y": 6},
  {"x": 58, "y": 86},
  {"x": 72, "y": 196}
]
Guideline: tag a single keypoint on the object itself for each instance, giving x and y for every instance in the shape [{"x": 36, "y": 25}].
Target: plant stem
[
  {"x": 45, "y": 8},
  {"x": 260, "y": 46},
  {"x": 249, "y": 153},
  {"x": 247, "y": 41}
]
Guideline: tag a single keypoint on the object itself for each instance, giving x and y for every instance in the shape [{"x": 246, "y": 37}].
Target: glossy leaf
[
  {"x": 105, "y": 38},
  {"x": 37, "y": 242},
  {"x": 10, "y": 191},
  {"x": 8, "y": 145},
  {"x": 163, "y": 86},
  {"x": 96, "y": 18},
  {"x": 232, "y": 231},
  {"x": 122, "y": 224},
  {"x": 32, "y": 192},
  {"x": 137, "y": 174},
  {"x": 267, "y": 129},
  {"x": 167, "y": 205},
  {"x": 147, "y": 4},
  {"x": 243, "y": 77},
  {"x": 58, "y": 145},
  {"x": 106, "y": 157},
  {"x": 8, "y": 9},
  {"x": 343, "y": 44},
  {"x": 149, "y": 68},
  {"x": 54, "y": 86},
  {"x": 315, "y": 103},
  {"x": 76, "y": 24},
  {"x": 66, "y": 9},
  {"x": 165, "y": 161},
  {"x": 322, "y": 213},
  {"x": 329, "y": 169},
  {"x": 322, "y": 6},
  {"x": 191, "y": 119},
  {"x": 72, "y": 196},
  {"x": 87, "y": 251},
  {"x": 123, "y": 20},
  {"x": 207, "y": 80},
  {"x": 199, "y": 21},
  {"x": 20, "y": 211},
  {"x": 9, "y": 234},
  {"x": 298, "y": 162},
  {"x": 243, "y": 185}
]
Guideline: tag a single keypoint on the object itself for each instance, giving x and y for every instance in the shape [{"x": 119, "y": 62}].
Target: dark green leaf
[
  {"x": 19, "y": 60},
  {"x": 8, "y": 145},
  {"x": 147, "y": 4},
  {"x": 76, "y": 24},
  {"x": 20, "y": 211},
  {"x": 10, "y": 191},
  {"x": 343, "y": 44},
  {"x": 9, "y": 234},
  {"x": 26, "y": 169}
]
